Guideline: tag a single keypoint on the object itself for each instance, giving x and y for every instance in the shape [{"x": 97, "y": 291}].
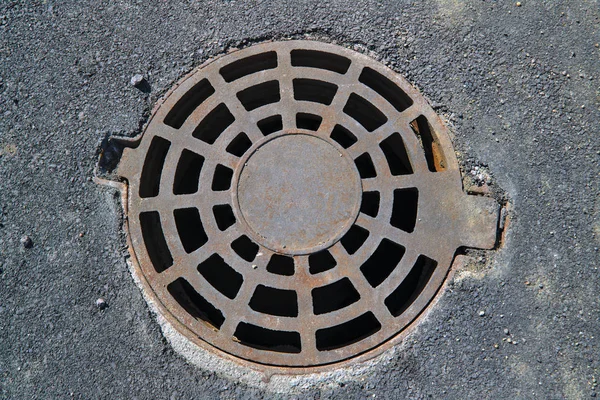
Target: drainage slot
[
  {"x": 354, "y": 239},
  {"x": 190, "y": 229},
  {"x": 270, "y": 125},
  {"x": 272, "y": 301},
  {"x": 154, "y": 240},
  {"x": 404, "y": 209},
  {"x": 224, "y": 216},
  {"x": 221, "y": 276},
  {"x": 431, "y": 146},
  {"x": 214, "y": 124},
  {"x": 395, "y": 153},
  {"x": 321, "y": 60},
  {"x": 222, "y": 178},
  {"x": 281, "y": 265},
  {"x": 308, "y": 121},
  {"x": 334, "y": 296},
  {"x": 188, "y": 103},
  {"x": 382, "y": 262},
  {"x": 321, "y": 262},
  {"x": 194, "y": 304},
  {"x": 239, "y": 145},
  {"x": 386, "y": 88},
  {"x": 347, "y": 333},
  {"x": 249, "y": 65},
  {"x": 259, "y": 95},
  {"x": 314, "y": 90},
  {"x": 370, "y": 204},
  {"x": 187, "y": 174},
  {"x": 365, "y": 166},
  {"x": 267, "y": 339},
  {"x": 245, "y": 248},
  {"x": 343, "y": 136},
  {"x": 364, "y": 112},
  {"x": 410, "y": 288},
  {"x": 153, "y": 166}
]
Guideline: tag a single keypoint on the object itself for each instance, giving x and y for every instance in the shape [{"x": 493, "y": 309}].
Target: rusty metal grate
[{"x": 296, "y": 204}]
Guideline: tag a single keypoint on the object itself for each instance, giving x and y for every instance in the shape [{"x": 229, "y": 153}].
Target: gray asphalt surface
[{"x": 520, "y": 86}]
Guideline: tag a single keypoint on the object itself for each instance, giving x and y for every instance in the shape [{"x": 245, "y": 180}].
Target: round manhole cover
[{"x": 296, "y": 204}]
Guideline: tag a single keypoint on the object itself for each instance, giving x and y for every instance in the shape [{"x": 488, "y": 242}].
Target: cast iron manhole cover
[{"x": 296, "y": 204}]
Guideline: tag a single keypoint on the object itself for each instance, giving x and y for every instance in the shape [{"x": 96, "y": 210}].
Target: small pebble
[
  {"x": 137, "y": 80},
  {"x": 481, "y": 313},
  {"x": 27, "y": 242},
  {"x": 101, "y": 304},
  {"x": 506, "y": 332},
  {"x": 518, "y": 4}
]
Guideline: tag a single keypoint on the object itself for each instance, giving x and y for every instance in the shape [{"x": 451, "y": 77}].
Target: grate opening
[
  {"x": 211, "y": 127},
  {"x": 307, "y": 121},
  {"x": 187, "y": 175},
  {"x": 386, "y": 88},
  {"x": 224, "y": 216},
  {"x": 270, "y": 125},
  {"x": 190, "y": 229},
  {"x": 249, "y": 65},
  {"x": 267, "y": 339},
  {"x": 343, "y": 136},
  {"x": 259, "y": 95},
  {"x": 334, "y": 296},
  {"x": 321, "y": 60},
  {"x": 365, "y": 113},
  {"x": 239, "y": 145},
  {"x": 154, "y": 240},
  {"x": 354, "y": 239},
  {"x": 281, "y": 265},
  {"x": 382, "y": 262},
  {"x": 273, "y": 301},
  {"x": 370, "y": 203},
  {"x": 245, "y": 248},
  {"x": 410, "y": 288},
  {"x": 365, "y": 166},
  {"x": 188, "y": 103},
  {"x": 314, "y": 90},
  {"x": 395, "y": 153},
  {"x": 320, "y": 262},
  {"x": 153, "y": 166},
  {"x": 345, "y": 334},
  {"x": 431, "y": 146},
  {"x": 221, "y": 276},
  {"x": 404, "y": 209},
  {"x": 222, "y": 178},
  {"x": 195, "y": 305}
]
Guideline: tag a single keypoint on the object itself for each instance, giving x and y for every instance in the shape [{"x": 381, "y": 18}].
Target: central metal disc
[{"x": 298, "y": 193}]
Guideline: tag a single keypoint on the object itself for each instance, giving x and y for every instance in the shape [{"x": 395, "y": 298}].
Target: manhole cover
[{"x": 296, "y": 204}]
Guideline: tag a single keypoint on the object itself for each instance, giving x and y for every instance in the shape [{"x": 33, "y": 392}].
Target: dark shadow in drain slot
[
  {"x": 187, "y": 174},
  {"x": 410, "y": 288},
  {"x": 188, "y": 103},
  {"x": 365, "y": 166},
  {"x": 239, "y": 145},
  {"x": 309, "y": 122},
  {"x": 281, "y": 265},
  {"x": 354, "y": 239},
  {"x": 320, "y": 262},
  {"x": 370, "y": 203},
  {"x": 267, "y": 339},
  {"x": 404, "y": 209},
  {"x": 395, "y": 153},
  {"x": 221, "y": 276},
  {"x": 436, "y": 161},
  {"x": 320, "y": 59},
  {"x": 196, "y": 305},
  {"x": 369, "y": 116},
  {"x": 270, "y": 124},
  {"x": 153, "y": 166},
  {"x": 386, "y": 88},
  {"x": 343, "y": 136},
  {"x": 211, "y": 127},
  {"x": 314, "y": 90},
  {"x": 245, "y": 248},
  {"x": 249, "y": 65},
  {"x": 382, "y": 262},
  {"x": 347, "y": 333},
  {"x": 259, "y": 95},
  {"x": 222, "y": 178},
  {"x": 190, "y": 229},
  {"x": 273, "y": 301},
  {"x": 224, "y": 216},
  {"x": 154, "y": 240},
  {"x": 334, "y": 296}
]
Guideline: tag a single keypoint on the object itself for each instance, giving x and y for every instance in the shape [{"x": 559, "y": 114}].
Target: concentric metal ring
[{"x": 327, "y": 258}]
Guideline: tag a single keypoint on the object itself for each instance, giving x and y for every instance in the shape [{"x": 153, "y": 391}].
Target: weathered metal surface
[{"x": 293, "y": 192}]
